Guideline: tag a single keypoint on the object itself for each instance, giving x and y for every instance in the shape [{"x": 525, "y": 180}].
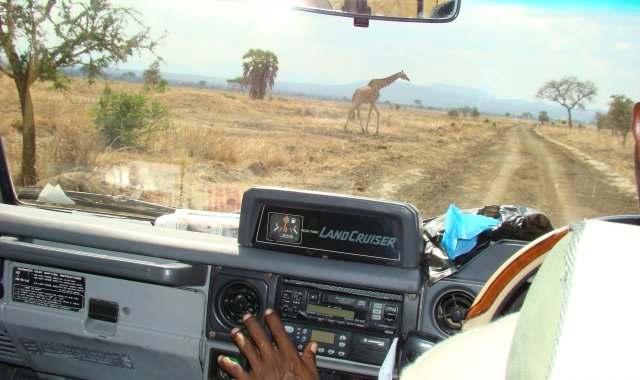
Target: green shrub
[{"x": 128, "y": 119}]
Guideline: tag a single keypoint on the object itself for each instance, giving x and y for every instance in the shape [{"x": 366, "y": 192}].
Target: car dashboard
[{"x": 89, "y": 297}]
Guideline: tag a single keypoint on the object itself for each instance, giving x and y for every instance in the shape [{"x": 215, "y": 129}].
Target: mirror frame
[{"x": 364, "y": 18}]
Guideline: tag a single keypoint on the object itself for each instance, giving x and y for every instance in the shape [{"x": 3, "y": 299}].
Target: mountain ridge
[{"x": 436, "y": 95}]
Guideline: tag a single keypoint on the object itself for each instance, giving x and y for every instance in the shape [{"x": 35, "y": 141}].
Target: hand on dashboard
[{"x": 269, "y": 361}]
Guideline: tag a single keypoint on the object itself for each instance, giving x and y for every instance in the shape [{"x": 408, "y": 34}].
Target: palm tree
[{"x": 260, "y": 68}]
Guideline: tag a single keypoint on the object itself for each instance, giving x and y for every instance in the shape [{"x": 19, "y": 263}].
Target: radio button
[
  {"x": 286, "y": 295},
  {"x": 313, "y": 296},
  {"x": 331, "y": 352},
  {"x": 342, "y": 337},
  {"x": 341, "y": 353},
  {"x": 377, "y": 305},
  {"x": 320, "y": 350},
  {"x": 376, "y": 317},
  {"x": 289, "y": 329},
  {"x": 297, "y": 296},
  {"x": 300, "y": 347},
  {"x": 391, "y": 309},
  {"x": 342, "y": 344},
  {"x": 377, "y": 311},
  {"x": 361, "y": 304}
]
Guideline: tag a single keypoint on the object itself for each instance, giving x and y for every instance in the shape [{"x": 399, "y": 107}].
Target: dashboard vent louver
[
  {"x": 451, "y": 309},
  {"x": 8, "y": 350}
]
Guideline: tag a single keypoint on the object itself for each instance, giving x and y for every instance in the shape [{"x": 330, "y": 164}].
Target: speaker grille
[
  {"x": 237, "y": 299},
  {"x": 451, "y": 310}
]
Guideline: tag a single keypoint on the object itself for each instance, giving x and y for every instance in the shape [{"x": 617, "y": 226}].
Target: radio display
[
  {"x": 322, "y": 336},
  {"x": 346, "y": 314}
]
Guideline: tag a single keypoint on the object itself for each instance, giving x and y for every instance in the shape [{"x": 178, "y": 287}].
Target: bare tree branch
[{"x": 6, "y": 72}]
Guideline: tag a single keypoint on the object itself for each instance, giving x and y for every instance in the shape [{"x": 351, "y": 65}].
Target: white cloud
[{"x": 623, "y": 46}]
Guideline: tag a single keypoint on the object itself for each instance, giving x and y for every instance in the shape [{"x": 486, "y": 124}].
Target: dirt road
[{"x": 513, "y": 166}]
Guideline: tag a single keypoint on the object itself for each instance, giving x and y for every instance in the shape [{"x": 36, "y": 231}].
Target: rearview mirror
[{"x": 388, "y": 10}]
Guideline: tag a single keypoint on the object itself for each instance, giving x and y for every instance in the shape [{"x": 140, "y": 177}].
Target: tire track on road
[{"x": 511, "y": 163}]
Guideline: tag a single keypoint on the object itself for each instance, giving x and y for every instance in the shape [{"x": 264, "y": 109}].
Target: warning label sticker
[
  {"x": 50, "y": 289},
  {"x": 70, "y": 351}
]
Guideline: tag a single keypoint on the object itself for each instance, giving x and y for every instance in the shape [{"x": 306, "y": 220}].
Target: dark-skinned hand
[{"x": 267, "y": 361}]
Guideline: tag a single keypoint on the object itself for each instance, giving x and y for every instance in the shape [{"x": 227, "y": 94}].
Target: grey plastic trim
[
  {"x": 487, "y": 262},
  {"x": 172, "y": 274},
  {"x": 191, "y": 247},
  {"x": 322, "y": 362}
]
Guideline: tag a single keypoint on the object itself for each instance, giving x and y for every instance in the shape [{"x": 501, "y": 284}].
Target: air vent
[
  {"x": 237, "y": 299},
  {"x": 8, "y": 350},
  {"x": 451, "y": 310}
]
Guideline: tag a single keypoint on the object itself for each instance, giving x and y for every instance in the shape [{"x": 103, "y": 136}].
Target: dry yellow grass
[
  {"x": 221, "y": 143},
  {"x": 602, "y": 146}
]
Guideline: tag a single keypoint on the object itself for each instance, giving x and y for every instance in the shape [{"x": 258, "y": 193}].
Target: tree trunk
[
  {"x": 28, "y": 176},
  {"x": 570, "y": 120}
]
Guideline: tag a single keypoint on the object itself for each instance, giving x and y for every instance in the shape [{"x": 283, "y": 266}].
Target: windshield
[{"x": 250, "y": 93}]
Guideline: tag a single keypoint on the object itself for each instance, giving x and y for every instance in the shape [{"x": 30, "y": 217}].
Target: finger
[
  {"x": 245, "y": 346},
  {"x": 309, "y": 356},
  {"x": 284, "y": 343},
  {"x": 259, "y": 336},
  {"x": 232, "y": 368}
]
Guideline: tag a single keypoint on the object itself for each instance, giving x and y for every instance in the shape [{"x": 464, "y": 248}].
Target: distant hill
[{"x": 437, "y": 95}]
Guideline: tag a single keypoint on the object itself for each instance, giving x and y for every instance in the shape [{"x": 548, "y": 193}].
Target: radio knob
[{"x": 284, "y": 310}]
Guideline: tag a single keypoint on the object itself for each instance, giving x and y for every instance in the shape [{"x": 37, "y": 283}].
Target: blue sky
[{"x": 506, "y": 48}]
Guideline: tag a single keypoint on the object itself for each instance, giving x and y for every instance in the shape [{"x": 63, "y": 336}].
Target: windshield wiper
[{"x": 120, "y": 204}]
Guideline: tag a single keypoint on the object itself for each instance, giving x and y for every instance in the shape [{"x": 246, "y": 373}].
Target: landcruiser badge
[{"x": 357, "y": 237}]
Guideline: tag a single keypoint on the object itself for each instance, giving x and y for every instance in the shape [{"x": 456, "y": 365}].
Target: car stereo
[
  {"x": 347, "y": 323},
  {"x": 331, "y": 226}
]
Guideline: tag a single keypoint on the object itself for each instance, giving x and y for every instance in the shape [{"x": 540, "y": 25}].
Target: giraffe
[{"x": 370, "y": 94}]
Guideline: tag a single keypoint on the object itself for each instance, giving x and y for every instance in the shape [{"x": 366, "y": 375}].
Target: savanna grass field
[{"x": 220, "y": 143}]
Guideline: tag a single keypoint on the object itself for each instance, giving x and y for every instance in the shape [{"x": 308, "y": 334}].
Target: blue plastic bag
[{"x": 461, "y": 231}]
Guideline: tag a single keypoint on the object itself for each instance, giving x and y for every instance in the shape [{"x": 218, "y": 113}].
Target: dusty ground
[
  {"x": 222, "y": 143},
  {"x": 517, "y": 166}
]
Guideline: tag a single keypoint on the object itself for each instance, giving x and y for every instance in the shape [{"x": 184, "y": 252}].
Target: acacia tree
[
  {"x": 619, "y": 115},
  {"x": 38, "y": 38},
  {"x": 152, "y": 78},
  {"x": 569, "y": 92},
  {"x": 260, "y": 68},
  {"x": 237, "y": 83},
  {"x": 543, "y": 117}
]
